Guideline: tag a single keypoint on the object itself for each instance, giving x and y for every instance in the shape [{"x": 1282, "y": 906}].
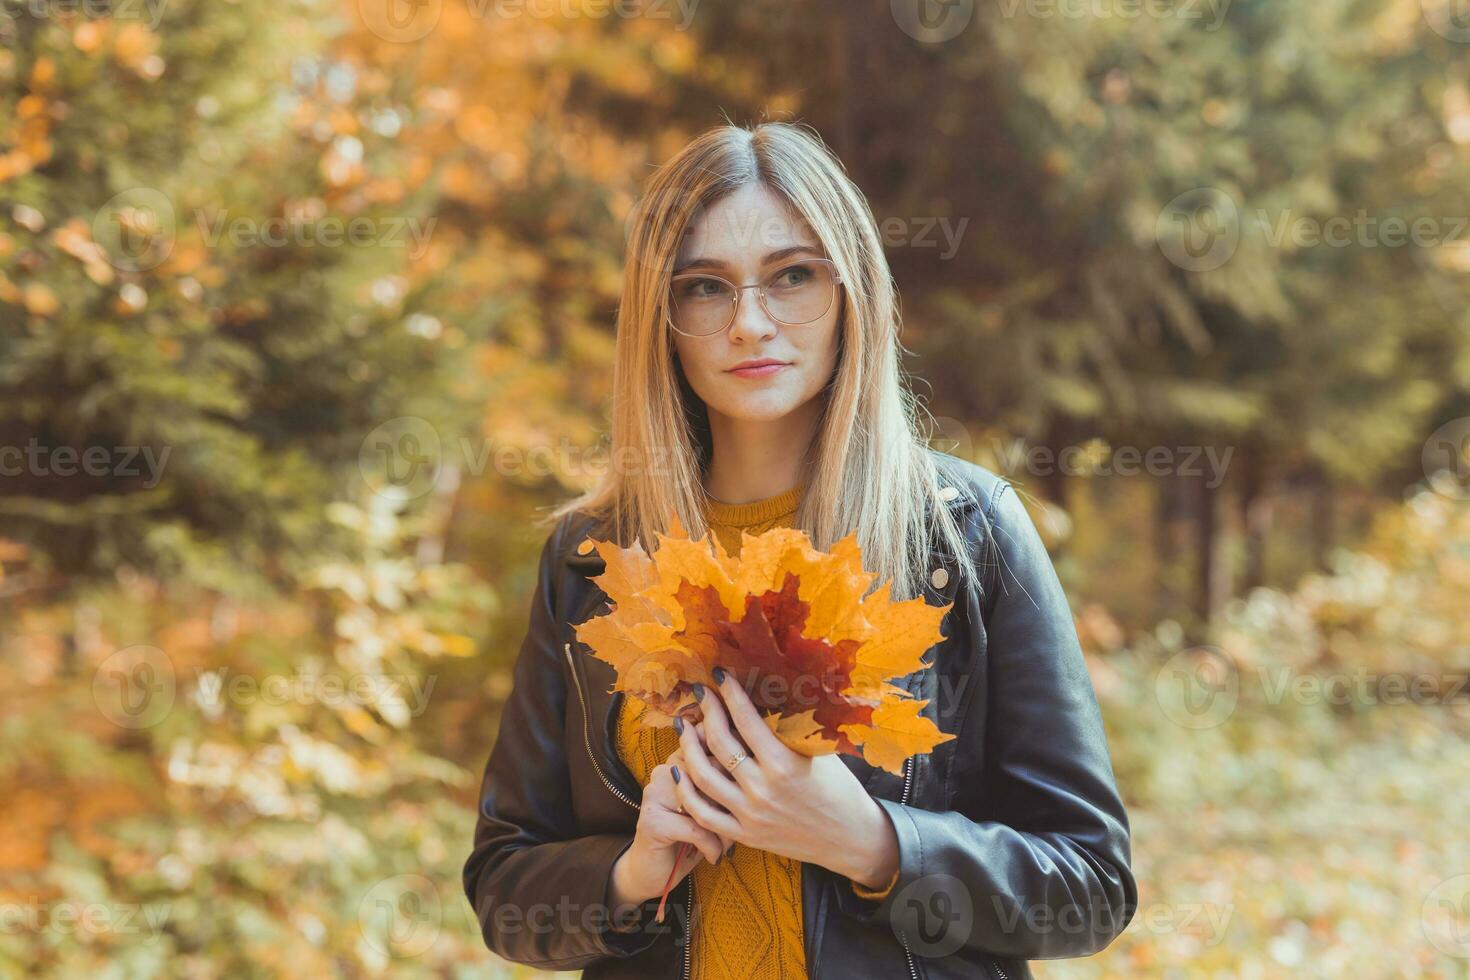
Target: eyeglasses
[{"x": 702, "y": 305}]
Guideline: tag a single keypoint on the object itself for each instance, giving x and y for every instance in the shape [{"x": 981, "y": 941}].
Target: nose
[{"x": 751, "y": 322}]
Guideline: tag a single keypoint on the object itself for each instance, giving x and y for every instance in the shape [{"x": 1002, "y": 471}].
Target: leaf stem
[{"x": 684, "y": 848}]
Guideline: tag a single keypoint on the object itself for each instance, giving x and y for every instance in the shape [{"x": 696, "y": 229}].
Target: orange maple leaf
[{"x": 788, "y": 621}]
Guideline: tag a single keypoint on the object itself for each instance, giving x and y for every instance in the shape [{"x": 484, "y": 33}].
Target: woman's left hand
[{"x": 778, "y": 800}]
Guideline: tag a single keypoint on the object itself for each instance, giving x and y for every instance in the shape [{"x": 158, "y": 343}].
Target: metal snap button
[
  {"x": 948, "y": 493},
  {"x": 940, "y": 577}
]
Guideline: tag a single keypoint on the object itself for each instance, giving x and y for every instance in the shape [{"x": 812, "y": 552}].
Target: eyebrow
[{"x": 776, "y": 256}]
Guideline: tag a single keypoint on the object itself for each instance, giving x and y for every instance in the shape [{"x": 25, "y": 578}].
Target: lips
[{"x": 758, "y": 369}]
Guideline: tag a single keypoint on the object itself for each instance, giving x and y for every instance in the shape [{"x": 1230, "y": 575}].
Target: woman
[{"x": 758, "y": 384}]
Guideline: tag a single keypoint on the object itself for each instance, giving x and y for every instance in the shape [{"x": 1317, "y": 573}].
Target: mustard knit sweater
[{"x": 747, "y": 909}]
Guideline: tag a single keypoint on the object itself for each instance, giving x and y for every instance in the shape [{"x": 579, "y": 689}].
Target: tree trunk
[
  {"x": 1165, "y": 501},
  {"x": 1255, "y": 521},
  {"x": 839, "y": 19},
  {"x": 1206, "y": 525},
  {"x": 1324, "y": 520}
]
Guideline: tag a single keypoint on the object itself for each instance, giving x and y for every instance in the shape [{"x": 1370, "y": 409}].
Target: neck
[{"x": 756, "y": 459}]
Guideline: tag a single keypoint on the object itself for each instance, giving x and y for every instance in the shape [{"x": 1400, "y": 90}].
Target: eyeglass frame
[{"x": 760, "y": 294}]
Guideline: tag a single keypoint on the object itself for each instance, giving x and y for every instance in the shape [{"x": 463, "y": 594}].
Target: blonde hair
[{"x": 868, "y": 469}]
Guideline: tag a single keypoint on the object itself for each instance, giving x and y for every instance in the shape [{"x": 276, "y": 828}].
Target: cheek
[
  {"x": 826, "y": 349},
  {"x": 692, "y": 357}
]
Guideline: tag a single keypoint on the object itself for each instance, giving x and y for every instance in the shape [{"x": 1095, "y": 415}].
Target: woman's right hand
[{"x": 662, "y": 830}]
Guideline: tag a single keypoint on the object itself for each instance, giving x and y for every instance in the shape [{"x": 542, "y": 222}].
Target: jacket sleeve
[
  {"x": 538, "y": 886},
  {"x": 1037, "y": 845}
]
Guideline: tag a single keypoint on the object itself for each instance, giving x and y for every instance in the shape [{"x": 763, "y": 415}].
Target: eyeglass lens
[{"x": 798, "y": 293}]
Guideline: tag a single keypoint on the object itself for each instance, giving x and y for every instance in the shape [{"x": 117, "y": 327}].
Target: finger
[
  {"x": 708, "y": 776},
  {"x": 721, "y": 742},
  {"x": 728, "y": 842},
  {"x": 709, "y": 750},
  {"x": 669, "y": 824},
  {"x": 704, "y": 812},
  {"x": 746, "y": 719},
  {"x": 660, "y": 791},
  {"x": 669, "y": 828},
  {"x": 698, "y": 727},
  {"x": 706, "y": 842},
  {"x": 682, "y": 773},
  {"x": 699, "y": 731}
]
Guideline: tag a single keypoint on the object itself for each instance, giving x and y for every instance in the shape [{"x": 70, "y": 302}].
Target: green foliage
[
  {"x": 268, "y": 811},
  {"x": 1296, "y": 788},
  {"x": 202, "y": 282}
]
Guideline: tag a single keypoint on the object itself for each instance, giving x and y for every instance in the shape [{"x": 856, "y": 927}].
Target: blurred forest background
[{"x": 306, "y": 312}]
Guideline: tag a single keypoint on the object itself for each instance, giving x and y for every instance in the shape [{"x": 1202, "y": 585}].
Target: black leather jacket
[{"x": 1013, "y": 841}]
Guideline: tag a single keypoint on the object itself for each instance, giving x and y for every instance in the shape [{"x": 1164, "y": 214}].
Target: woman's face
[{"x": 746, "y": 237}]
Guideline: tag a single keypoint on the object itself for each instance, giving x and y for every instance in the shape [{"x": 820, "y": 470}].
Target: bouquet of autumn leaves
[{"x": 788, "y": 621}]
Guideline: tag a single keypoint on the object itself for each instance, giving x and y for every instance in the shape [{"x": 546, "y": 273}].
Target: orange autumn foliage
[{"x": 788, "y": 621}]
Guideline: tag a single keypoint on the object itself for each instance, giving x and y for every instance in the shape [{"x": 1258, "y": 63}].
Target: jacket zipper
[
  {"x": 688, "y": 927},
  {"x": 592, "y": 757},
  {"x": 587, "y": 735},
  {"x": 908, "y": 780}
]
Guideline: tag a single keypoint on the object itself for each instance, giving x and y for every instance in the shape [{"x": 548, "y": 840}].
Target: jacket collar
[{"x": 580, "y": 556}]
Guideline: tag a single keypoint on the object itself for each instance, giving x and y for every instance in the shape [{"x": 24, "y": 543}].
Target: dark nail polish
[
  {"x": 679, "y": 724},
  {"x": 698, "y": 691},
  {"x": 675, "y": 771},
  {"x": 719, "y": 673},
  {"x": 730, "y": 850}
]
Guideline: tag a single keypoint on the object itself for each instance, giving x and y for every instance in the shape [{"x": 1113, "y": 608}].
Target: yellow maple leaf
[{"x": 795, "y": 625}]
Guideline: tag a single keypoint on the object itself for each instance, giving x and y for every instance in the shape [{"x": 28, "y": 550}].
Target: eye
[
  {"x": 700, "y": 287},
  {"x": 793, "y": 276}
]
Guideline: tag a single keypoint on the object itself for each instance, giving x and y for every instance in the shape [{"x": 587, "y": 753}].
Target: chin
[{"x": 757, "y": 409}]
